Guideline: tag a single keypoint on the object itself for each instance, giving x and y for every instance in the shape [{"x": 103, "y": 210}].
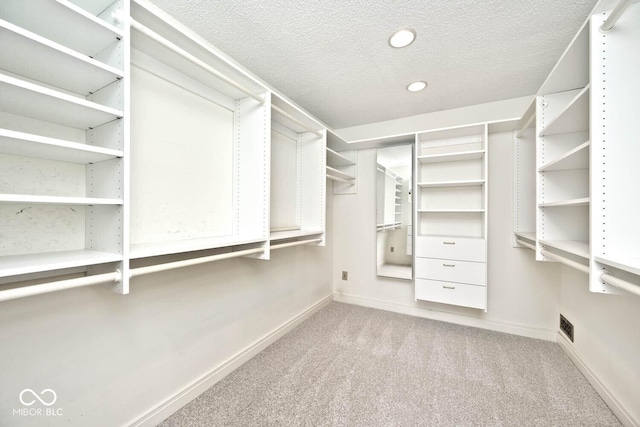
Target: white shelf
[
  {"x": 577, "y": 158},
  {"x": 292, "y": 234},
  {"x": 572, "y": 70},
  {"x": 452, "y": 157},
  {"x": 467, "y": 183},
  {"x": 144, "y": 250},
  {"x": 33, "y": 56},
  {"x": 336, "y": 159},
  {"x": 626, "y": 263},
  {"x": 574, "y": 247},
  {"x": 14, "y": 265},
  {"x": 450, "y": 210},
  {"x": 29, "y": 145},
  {"x": 86, "y": 201},
  {"x": 31, "y": 100},
  {"x": 574, "y": 202},
  {"x": 573, "y": 118},
  {"x": 62, "y": 22},
  {"x": 331, "y": 172}
]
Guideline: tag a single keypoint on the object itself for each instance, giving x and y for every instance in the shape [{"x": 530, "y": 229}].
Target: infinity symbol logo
[{"x": 37, "y": 397}]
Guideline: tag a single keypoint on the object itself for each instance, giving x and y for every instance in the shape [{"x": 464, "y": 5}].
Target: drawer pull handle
[
  {"x": 448, "y": 243},
  {"x": 448, "y": 265},
  {"x": 448, "y": 287}
]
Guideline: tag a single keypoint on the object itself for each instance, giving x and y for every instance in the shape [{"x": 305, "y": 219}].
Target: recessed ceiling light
[
  {"x": 402, "y": 38},
  {"x": 416, "y": 86}
]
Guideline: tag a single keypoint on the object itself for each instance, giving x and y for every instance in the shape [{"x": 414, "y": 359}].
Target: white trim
[
  {"x": 614, "y": 404},
  {"x": 186, "y": 395},
  {"x": 460, "y": 319}
]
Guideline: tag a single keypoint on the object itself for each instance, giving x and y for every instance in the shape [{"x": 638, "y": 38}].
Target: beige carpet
[{"x": 354, "y": 366}]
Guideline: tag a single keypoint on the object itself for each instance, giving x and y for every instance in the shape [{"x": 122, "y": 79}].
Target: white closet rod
[
  {"x": 335, "y": 178},
  {"x": 527, "y": 244},
  {"x": 619, "y": 283},
  {"x": 565, "y": 261},
  {"x": 186, "y": 55},
  {"x": 526, "y": 125},
  {"x": 189, "y": 262},
  {"x": 616, "y": 13},
  {"x": 61, "y": 285},
  {"x": 293, "y": 119},
  {"x": 299, "y": 242}
]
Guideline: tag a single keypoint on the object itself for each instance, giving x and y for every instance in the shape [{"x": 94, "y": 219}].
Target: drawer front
[
  {"x": 451, "y": 271},
  {"x": 460, "y": 248},
  {"x": 452, "y": 293}
]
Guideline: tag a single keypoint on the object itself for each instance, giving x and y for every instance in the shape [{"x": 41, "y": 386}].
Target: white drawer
[
  {"x": 452, "y": 293},
  {"x": 451, "y": 270},
  {"x": 464, "y": 249}
]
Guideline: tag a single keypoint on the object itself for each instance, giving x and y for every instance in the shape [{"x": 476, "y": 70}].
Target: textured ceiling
[{"x": 332, "y": 57}]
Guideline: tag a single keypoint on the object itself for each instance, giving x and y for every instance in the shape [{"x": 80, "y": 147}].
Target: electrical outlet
[
  {"x": 393, "y": 249},
  {"x": 345, "y": 275}
]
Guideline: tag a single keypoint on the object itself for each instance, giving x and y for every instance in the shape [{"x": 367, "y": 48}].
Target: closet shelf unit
[
  {"x": 94, "y": 27},
  {"x": 562, "y": 155},
  {"x": 615, "y": 205},
  {"x": 63, "y": 138},
  {"x": 298, "y": 184},
  {"x": 524, "y": 180},
  {"x": 25, "y": 51},
  {"x": 341, "y": 164},
  {"x": 197, "y": 119},
  {"x": 451, "y": 216},
  {"x": 584, "y": 114}
]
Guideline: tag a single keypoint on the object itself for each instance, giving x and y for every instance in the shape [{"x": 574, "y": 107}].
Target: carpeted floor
[{"x": 355, "y": 366}]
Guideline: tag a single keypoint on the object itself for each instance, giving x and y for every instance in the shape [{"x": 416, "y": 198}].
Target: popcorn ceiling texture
[{"x": 332, "y": 57}]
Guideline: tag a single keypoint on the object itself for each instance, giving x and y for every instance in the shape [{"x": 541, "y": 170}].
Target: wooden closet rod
[
  {"x": 616, "y": 13},
  {"x": 186, "y": 55}
]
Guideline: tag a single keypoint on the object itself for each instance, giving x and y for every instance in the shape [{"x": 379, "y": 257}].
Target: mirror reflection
[{"x": 393, "y": 212}]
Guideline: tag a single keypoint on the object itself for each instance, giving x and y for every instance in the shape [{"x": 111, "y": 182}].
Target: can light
[
  {"x": 402, "y": 38},
  {"x": 416, "y": 86}
]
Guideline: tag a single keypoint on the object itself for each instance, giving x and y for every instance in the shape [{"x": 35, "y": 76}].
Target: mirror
[{"x": 394, "y": 176}]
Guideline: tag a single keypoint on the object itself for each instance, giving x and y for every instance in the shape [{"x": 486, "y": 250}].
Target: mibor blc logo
[{"x": 38, "y": 404}]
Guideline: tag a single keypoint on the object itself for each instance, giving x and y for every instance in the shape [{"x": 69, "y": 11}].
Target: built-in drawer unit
[
  {"x": 459, "y": 248},
  {"x": 451, "y": 270},
  {"x": 473, "y": 296}
]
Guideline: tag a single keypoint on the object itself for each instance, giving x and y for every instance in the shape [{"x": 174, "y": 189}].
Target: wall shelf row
[{"x": 572, "y": 173}]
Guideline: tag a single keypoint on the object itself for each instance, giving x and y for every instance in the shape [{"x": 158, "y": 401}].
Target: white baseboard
[
  {"x": 180, "y": 399},
  {"x": 625, "y": 418},
  {"x": 509, "y": 328}
]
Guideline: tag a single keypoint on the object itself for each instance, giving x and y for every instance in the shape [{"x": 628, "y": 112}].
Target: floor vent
[{"x": 566, "y": 327}]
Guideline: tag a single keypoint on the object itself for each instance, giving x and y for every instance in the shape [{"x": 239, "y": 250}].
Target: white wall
[
  {"x": 523, "y": 294},
  {"x": 606, "y": 338},
  {"x": 111, "y": 358}
]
